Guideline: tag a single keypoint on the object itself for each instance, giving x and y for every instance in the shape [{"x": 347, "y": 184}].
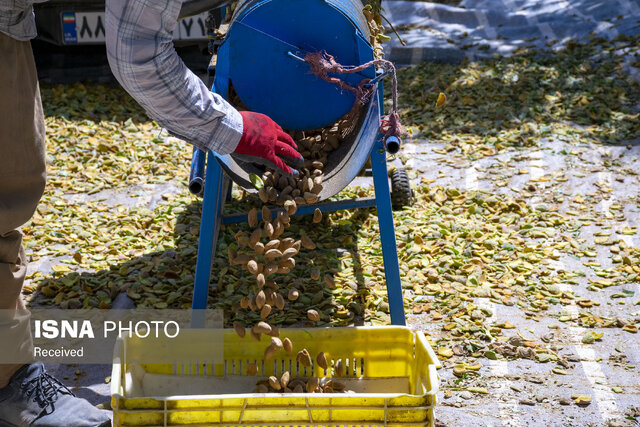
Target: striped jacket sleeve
[{"x": 142, "y": 57}]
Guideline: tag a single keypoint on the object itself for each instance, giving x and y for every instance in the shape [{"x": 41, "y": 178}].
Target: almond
[
  {"x": 244, "y": 302},
  {"x": 307, "y": 243},
  {"x": 241, "y": 260},
  {"x": 262, "y": 193},
  {"x": 262, "y": 328},
  {"x": 328, "y": 279},
  {"x": 322, "y": 360},
  {"x": 274, "y": 383},
  {"x": 252, "y": 266},
  {"x": 310, "y": 197},
  {"x": 280, "y": 302},
  {"x": 287, "y": 262},
  {"x": 259, "y": 248},
  {"x": 276, "y": 343},
  {"x": 284, "y": 379},
  {"x": 286, "y": 244},
  {"x": 304, "y": 358},
  {"x": 253, "y": 217},
  {"x": 252, "y": 369},
  {"x": 272, "y": 285},
  {"x": 272, "y": 254},
  {"x": 266, "y": 310},
  {"x": 289, "y": 253},
  {"x": 275, "y": 331},
  {"x": 266, "y": 214},
  {"x": 270, "y": 269},
  {"x": 312, "y": 384},
  {"x": 338, "y": 386},
  {"x": 290, "y": 206},
  {"x": 268, "y": 228},
  {"x": 293, "y": 294},
  {"x": 273, "y": 244},
  {"x": 239, "y": 329},
  {"x": 261, "y": 299},
  {"x": 255, "y": 238},
  {"x": 269, "y": 352},
  {"x": 288, "y": 345}
]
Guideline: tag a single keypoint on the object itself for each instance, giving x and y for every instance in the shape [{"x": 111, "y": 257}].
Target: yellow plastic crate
[{"x": 391, "y": 369}]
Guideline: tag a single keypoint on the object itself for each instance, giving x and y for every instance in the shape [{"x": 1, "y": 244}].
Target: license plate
[{"x": 89, "y": 28}]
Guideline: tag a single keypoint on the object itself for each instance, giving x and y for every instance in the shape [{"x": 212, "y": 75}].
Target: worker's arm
[{"x": 142, "y": 57}]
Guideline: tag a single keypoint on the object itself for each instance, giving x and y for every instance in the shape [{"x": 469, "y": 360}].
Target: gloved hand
[{"x": 265, "y": 143}]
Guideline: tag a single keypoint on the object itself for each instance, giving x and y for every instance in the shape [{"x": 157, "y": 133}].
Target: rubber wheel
[{"x": 401, "y": 192}]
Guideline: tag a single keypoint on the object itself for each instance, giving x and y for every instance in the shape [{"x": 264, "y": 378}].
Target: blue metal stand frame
[{"x": 216, "y": 188}]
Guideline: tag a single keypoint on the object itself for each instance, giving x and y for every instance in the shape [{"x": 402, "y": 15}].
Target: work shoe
[{"x": 35, "y": 398}]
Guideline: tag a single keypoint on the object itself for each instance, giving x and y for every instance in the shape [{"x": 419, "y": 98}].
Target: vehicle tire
[{"x": 401, "y": 192}]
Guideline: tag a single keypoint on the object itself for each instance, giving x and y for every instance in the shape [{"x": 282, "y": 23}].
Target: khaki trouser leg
[{"x": 22, "y": 181}]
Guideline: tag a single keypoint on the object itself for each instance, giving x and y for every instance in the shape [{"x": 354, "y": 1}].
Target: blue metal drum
[{"x": 261, "y": 58}]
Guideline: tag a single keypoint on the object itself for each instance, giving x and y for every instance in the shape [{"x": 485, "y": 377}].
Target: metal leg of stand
[
  {"x": 215, "y": 188},
  {"x": 387, "y": 233}
]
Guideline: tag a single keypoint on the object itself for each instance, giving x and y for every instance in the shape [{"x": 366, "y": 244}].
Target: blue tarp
[{"x": 476, "y": 28}]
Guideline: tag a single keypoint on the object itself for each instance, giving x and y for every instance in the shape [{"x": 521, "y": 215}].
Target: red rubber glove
[{"x": 265, "y": 143}]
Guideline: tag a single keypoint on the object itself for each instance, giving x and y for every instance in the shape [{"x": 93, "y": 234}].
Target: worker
[{"x": 142, "y": 57}]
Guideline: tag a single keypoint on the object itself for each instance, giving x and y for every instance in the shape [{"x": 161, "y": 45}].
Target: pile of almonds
[
  {"x": 300, "y": 385},
  {"x": 263, "y": 253},
  {"x": 303, "y": 385},
  {"x": 314, "y": 146}
]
